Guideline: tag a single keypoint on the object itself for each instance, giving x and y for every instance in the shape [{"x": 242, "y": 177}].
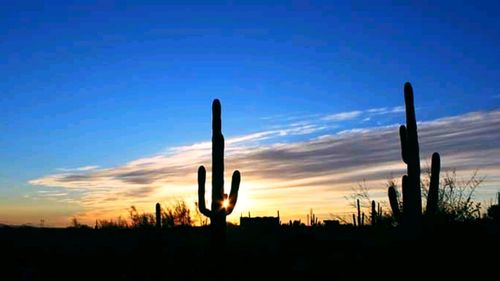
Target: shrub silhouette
[
  {"x": 177, "y": 215},
  {"x": 119, "y": 223},
  {"x": 456, "y": 197},
  {"x": 138, "y": 220},
  {"x": 76, "y": 224},
  {"x": 218, "y": 212}
]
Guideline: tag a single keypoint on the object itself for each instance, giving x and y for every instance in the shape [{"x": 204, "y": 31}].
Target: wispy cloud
[
  {"x": 365, "y": 114},
  {"x": 290, "y": 176},
  {"x": 343, "y": 116},
  {"x": 79, "y": 169},
  {"x": 386, "y": 110}
]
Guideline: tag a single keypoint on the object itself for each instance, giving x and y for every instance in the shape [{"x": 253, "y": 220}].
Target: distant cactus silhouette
[
  {"x": 158, "y": 215},
  {"x": 360, "y": 217},
  {"x": 494, "y": 210},
  {"x": 380, "y": 213},
  {"x": 412, "y": 199},
  {"x": 374, "y": 213},
  {"x": 218, "y": 212},
  {"x": 312, "y": 219},
  {"x": 359, "y": 213}
]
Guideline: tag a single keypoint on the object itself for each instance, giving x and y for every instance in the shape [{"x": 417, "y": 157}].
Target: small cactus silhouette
[
  {"x": 359, "y": 212},
  {"x": 412, "y": 199},
  {"x": 494, "y": 210},
  {"x": 312, "y": 219},
  {"x": 360, "y": 217},
  {"x": 219, "y": 210},
  {"x": 158, "y": 215},
  {"x": 374, "y": 213}
]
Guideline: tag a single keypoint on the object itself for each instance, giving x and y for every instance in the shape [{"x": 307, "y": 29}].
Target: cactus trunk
[{"x": 218, "y": 219}]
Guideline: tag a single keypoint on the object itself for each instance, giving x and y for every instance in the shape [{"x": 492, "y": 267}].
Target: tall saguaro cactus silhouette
[
  {"x": 410, "y": 152},
  {"x": 219, "y": 210}
]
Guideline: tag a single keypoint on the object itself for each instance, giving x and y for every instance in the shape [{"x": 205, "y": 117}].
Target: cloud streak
[
  {"x": 78, "y": 169},
  {"x": 343, "y": 116},
  {"x": 314, "y": 172}
]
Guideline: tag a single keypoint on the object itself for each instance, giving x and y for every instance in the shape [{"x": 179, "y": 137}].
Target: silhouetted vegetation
[
  {"x": 140, "y": 220},
  {"x": 455, "y": 200},
  {"x": 118, "y": 223},
  {"x": 177, "y": 215},
  {"x": 164, "y": 245},
  {"x": 76, "y": 224}
]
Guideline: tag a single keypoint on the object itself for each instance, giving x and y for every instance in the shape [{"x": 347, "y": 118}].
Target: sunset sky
[{"x": 106, "y": 105}]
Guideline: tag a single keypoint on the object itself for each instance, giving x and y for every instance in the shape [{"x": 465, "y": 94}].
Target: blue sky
[{"x": 106, "y": 83}]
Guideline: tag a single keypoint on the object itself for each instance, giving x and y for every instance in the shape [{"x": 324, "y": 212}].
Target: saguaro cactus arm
[
  {"x": 393, "y": 200},
  {"x": 201, "y": 192},
  {"x": 404, "y": 189},
  {"x": 433, "y": 196},
  {"x": 233, "y": 195}
]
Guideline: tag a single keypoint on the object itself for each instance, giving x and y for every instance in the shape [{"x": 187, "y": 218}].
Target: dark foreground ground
[{"x": 286, "y": 253}]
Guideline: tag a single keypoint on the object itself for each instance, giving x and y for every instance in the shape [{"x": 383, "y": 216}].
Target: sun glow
[{"x": 225, "y": 203}]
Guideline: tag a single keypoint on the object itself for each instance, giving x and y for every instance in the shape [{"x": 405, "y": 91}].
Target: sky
[{"x": 107, "y": 104}]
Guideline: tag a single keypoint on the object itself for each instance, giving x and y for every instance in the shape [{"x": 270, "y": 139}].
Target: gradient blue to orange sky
[{"x": 107, "y": 104}]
